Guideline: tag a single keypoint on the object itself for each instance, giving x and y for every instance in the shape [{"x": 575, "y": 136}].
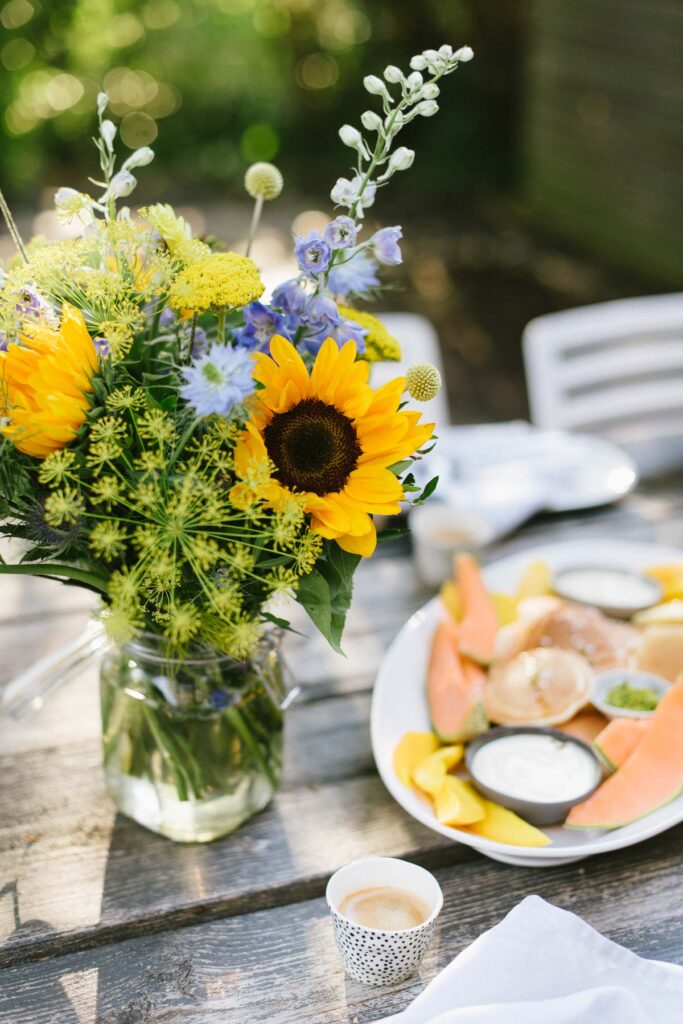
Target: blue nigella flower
[
  {"x": 261, "y": 324},
  {"x": 313, "y": 253},
  {"x": 341, "y": 233},
  {"x": 385, "y": 246},
  {"x": 356, "y": 277},
  {"x": 218, "y": 380}
]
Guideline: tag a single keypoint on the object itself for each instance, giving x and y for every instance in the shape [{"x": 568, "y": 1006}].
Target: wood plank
[{"x": 281, "y": 966}]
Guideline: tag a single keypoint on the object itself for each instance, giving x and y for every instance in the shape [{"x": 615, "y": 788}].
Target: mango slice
[
  {"x": 670, "y": 578},
  {"x": 536, "y": 581},
  {"x": 457, "y": 803},
  {"x": 431, "y": 772},
  {"x": 504, "y": 826},
  {"x": 451, "y": 599},
  {"x": 410, "y": 750},
  {"x": 668, "y": 613},
  {"x": 506, "y": 608}
]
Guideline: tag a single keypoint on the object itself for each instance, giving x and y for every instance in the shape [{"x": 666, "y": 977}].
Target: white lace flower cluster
[
  {"x": 116, "y": 184},
  {"x": 377, "y": 160}
]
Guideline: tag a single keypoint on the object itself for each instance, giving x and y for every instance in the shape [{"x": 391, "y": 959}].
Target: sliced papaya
[
  {"x": 478, "y": 625},
  {"x": 586, "y": 725},
  {"x": 431, "y": 772},
  {"x": 454, "y": 694},
  {"x": 617, "y": 741},
  {"x": 504, "y": 826},
  {"x": 650, "y": 777},
  {"x": 456, "y": 802},
  {"x": 410, "y": 750}
]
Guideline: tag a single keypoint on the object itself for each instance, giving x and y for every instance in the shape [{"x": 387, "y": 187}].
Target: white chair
[
  {"x": 419, "y": 344},
  {"x": 614, "y": 369}
]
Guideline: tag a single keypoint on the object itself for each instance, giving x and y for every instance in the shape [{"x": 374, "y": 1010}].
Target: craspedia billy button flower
[
  {"x": 264, "y": 181},
  {"x": 46, "y": 382},
  {"x": 423, "y": 382}
]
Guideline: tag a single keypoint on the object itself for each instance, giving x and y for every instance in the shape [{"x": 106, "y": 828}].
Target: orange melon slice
[
  {"x": 650, "y": 777},
  {"x": 586, "y": 725},
  {"x": 619, "y": 739},
  {"x": 478, "y": 625},
  {"x": 454, "y": 692}
]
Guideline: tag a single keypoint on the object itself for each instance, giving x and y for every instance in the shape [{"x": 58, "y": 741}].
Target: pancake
[{"x": 542, "y": 686}]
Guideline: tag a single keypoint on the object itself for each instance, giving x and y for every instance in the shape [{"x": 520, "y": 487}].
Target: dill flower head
[
  {"x": 218, "y": 282},
  {"x": 380, "y": 346},
  {"x": 46, "y": 382}
]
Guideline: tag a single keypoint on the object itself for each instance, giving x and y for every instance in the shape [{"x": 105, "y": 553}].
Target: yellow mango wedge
[
  {"x": 451, "y": 599},
  {"x": 504, "y": 826},
  {"x": 457, "y": 803},
  {"x": 411, "y": 750},
  {"x": 506, "y": 608},
  {"x": 431, "y": 772},
  {"x": 670, "y": 579},
  {"x": 536, "y": 581}
]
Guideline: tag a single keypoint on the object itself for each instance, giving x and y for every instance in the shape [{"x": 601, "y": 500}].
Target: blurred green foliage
[{"x": 216, "y": 84}]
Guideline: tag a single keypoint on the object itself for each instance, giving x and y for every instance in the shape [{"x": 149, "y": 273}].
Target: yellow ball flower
[
  {"x": 263, "y": 180},
  {"x": 46, "y": 382},
  {"x": 423, "y": 381},
  {"x": 380, "y": 346},
  {"x": 218, "y": 282}
]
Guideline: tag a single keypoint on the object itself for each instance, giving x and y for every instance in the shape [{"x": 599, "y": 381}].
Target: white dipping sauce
[
  {"x": 540, "y": 768},
  {"x": 610, "y": 588}
]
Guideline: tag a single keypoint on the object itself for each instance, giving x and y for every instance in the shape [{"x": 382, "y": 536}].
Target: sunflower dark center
[{"x": 314, "y": 447}]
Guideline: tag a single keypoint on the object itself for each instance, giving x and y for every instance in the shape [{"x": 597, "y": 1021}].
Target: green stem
[
  {"x": 245, "y": 735},
  {"x": 220, "y": 333},
  {"x": 168, "y": 754},
  {"x": 53, "y": 569},
  {"x": 256, "y": 217},
  {"x": 189, "y": 430}
]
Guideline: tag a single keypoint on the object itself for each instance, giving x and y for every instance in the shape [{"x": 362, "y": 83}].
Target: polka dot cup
[{"x": 382, "y": 957}]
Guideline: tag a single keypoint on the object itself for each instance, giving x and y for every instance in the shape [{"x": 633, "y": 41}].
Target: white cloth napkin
[{"x": 543, "y": 965}]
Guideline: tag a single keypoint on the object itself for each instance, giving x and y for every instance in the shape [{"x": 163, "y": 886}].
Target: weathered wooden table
[{"x": 102, "y": 921}]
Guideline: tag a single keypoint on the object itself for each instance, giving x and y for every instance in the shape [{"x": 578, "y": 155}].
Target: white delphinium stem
[{"x": 418, "y": 98}]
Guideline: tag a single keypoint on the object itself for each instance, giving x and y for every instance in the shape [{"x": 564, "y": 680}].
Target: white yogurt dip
[
  {"x": 539, "y": 768},
  {"x": 608, "y": 588}
]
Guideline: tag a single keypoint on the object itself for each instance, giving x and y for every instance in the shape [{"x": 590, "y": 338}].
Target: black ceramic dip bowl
[{"x": 537, "y": 812}]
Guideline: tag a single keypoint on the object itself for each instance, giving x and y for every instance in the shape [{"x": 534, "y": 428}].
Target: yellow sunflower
[
  {"x": 330, "y": 439},
  {"x": 46, "y": 381}
]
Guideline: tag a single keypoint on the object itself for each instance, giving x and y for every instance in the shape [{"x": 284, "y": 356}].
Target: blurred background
[{"x": 550, "y": 177}]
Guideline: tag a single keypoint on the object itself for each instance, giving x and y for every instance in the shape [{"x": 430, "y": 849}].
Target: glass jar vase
[{"x": 192, "y": 747}]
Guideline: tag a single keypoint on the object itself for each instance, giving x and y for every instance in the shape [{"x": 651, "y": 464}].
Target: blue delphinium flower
[
  {"x": 341, "y": 233},
  {"x": 218, "y": 380},
  {"x": 356, "y": 277},
  {"x": 290, "y": 298},
  {"x": 200, "y": 342},
  {"x": 101, "y": 346},
  {"x": 261, "y": 324},
  {"x": 167, "y": 319},
  {"x": 312, "y": 253},
  {"x": 385, "y": 246}
]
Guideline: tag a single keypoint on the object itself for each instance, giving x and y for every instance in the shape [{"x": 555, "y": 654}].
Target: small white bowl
[
  {"x": 439, "y": 532},
  {"x": 608, "y": 588},
  {"x": 605, "y": 681},
  {"x": 382, "y": 957}
]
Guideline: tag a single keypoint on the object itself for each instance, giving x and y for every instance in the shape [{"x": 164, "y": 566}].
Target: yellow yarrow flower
[
  {"x": 380, "y": 346},
  {"x": 46, "y": 382},
  {"x": 173, "y": 229},
  {"x": 218, "y": 282}
]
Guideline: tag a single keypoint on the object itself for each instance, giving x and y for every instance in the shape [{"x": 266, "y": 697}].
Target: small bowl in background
[
  {"x": 536, "y": 812},
  {"x": 606, "y": 681},
  {"x": 439, "y": 532},
  {"x": 607, "y": 589}
]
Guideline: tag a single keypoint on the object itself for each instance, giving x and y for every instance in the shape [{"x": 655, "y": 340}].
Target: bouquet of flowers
[{"x": 184, "y": 448}]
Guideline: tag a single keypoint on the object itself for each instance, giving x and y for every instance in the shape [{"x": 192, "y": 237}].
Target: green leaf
[
  {"x": 280, "y": 623},
  {"x": 400, "y": 467},
  {"x": 429, "y": 490},
  {"x": 54, "y": 569},
  {"x": 314, "y": 596},
  {"x": 326, "y": 592},
  {"x": 395, "y": 533}
]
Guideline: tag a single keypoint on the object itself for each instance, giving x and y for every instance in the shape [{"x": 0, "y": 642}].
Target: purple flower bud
[
  {"x": 101, "y": 346},
  {"x": 313, "y": 253},
  {"x": 341, "y": 233},
  {"x": 385, "y": 246}
]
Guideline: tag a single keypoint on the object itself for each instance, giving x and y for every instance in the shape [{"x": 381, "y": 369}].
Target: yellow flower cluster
[
  {"x": 380, "y": 346},
  {"x": 218, "y": 282}
]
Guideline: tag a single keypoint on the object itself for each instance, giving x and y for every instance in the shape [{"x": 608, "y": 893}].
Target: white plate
[
  {"x": 399, "y": 706},
  {"x": 568, "y": 471}
]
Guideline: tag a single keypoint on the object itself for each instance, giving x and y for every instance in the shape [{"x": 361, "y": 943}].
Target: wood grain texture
[{"x": 280, "y": 966}]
